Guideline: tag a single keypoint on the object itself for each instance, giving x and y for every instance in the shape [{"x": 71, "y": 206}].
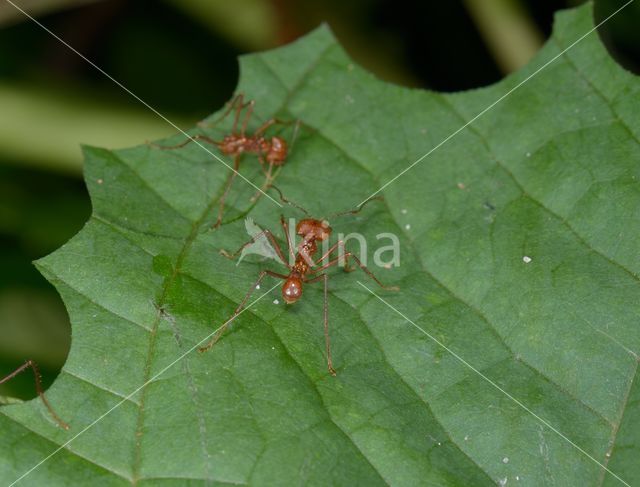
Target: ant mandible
[
  {"x": 271, "y": 151},
  {"x": 36, "y": 373},
  {"x": 304, "y": 269}
]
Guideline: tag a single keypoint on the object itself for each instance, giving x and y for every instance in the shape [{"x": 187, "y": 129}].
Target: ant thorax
[
  {"x": 237, "y": 144},
  {"x": 304, "y": 259},
  {"x": 233, "y": 144}
]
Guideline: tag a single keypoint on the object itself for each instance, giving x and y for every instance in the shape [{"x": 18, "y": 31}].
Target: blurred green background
[{"x": 180, "y": 57}]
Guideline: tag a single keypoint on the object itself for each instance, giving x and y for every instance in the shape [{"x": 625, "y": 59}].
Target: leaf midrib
[
  {"x": 169, "y": 281},
  {"x": 195, "y": 227}
]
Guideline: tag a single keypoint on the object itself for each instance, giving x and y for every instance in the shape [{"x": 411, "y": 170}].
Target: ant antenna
[
  {"x": 356, "y": 210},
  {"x": 237, "y": 102},
  {"x": 289, "y": 202}
]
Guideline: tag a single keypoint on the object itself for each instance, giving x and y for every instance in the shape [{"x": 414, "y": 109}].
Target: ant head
[
  {"x": 310, "y": 228},
  {"x": 292, "y": 290},
  {"x": 277, "y": 153}
]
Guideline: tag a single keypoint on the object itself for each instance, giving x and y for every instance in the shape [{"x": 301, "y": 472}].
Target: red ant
[
  {"x": 304, "y": 268},
  {"x": 36, "y": 374},
  {"x": 271, "y": 151}
]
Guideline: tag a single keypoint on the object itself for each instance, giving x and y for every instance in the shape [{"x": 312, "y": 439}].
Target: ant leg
[
  {"x": 237, "y": 104},
  {"x": 327, "y": 340},
  {"x": 289, "y": 202},
  {"x": 273, "y": 121},
  {"x": 326, "y": 326},
  {"x": 188, "y": 141},
  {"x": 237, "y": 101},
  {"x": 265, "y": 126},
  {"x": 329, "y": 252},
  {"x": 368, "y": 272},
  {"x": 272, "y": 239},
  {"x": 294, "y": 137},
  {"x": 223, "y": 328},
  {"x": 285, "y": 228},
  {"x": 358, "y": 209},
  {"x": 36, "y": 374},
  {"x": 232, "y": 176},
  {"x": 247, "y": 116},
  {"x": 348, "y": 255},
  {"x": 267, "y": 181}
]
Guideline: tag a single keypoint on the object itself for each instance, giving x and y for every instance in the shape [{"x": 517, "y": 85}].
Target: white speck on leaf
[
  {"x": 466, "y": 438},
  {"x": 505, "y": 460},
  {"x": 403, "y": 211},
  {"x": 257, "y": 286},
  {"x": 407, "y": 227},
  {"x": 100, "y": 181},
  {"x": 275, "y": 301},
  {"x": 528, "y": 154},
  {"x": 461, "y": 186},
  {"x": 503, "y": 481},
  {"x": 526, "y": 259}
]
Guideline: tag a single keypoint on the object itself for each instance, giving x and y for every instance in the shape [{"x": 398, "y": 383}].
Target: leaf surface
[{"x": 518, "y": 252}]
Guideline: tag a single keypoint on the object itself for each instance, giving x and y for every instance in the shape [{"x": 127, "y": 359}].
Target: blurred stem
[
  {"x": 11, "y": 15},
  {"x": 509, "y": 33},
  {"x": 250, "y": 24},
  {"x": 45, "y": 128}
]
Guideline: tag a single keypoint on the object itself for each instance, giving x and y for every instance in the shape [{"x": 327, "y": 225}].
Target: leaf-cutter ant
[
  {"x": 304, "y": 270},
  {"x": 271, "y": 151}
]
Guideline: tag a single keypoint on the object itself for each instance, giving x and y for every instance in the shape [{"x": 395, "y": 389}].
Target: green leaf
[
  {"x": 9, "y": 400},
  {"x": 550, "y": 173}
]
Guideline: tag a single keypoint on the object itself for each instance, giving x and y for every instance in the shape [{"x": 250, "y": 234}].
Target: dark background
[{"x": 180, "y": 57}]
